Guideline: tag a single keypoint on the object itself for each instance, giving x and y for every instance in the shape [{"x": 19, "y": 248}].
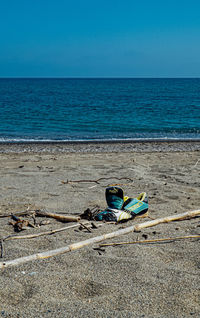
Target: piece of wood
[
  {"x": 85, "y": 227},
  {"x": 176, "y": 217},
  {"x": 30, "y": 236},
  {"x": 152, "y": 241},
  {"x": 95, "y": 181},
  {"x": 21, "y": 223},
  {"x": 2, "y": 248},
  {"x": 59, "y": 217},
  {"x": 28, "y": 212},
  {"x": 97, "y": 239}
]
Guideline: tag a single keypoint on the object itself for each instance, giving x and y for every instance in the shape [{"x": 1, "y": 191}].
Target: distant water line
[{"x": 64, "y": 110}]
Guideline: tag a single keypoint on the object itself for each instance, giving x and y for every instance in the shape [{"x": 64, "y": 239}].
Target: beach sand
[{"x": 150, "y": 280}]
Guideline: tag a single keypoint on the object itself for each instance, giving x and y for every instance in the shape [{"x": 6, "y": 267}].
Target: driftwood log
[
  {"x": 59, "y": 217},
  {"x": 97, "y": 239}
]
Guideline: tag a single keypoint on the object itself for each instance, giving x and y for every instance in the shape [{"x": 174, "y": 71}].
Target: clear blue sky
[{"x": 100, "y": 38}]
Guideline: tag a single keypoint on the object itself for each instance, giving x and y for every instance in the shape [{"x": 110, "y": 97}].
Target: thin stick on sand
[
  {"x": 28, "y": 212},
  {"x": 30, "y": 236},
  {"x": 2, "y": 248},
  {"x": 152, "y": 241},
  {"x": 95, "y": 181},
  {"x": 97, "y": 239}
]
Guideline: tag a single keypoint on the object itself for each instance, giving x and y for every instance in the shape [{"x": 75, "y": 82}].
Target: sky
[{"x": 99, "y": 38}]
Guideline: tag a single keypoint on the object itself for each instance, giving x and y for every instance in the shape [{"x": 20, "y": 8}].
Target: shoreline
[{"x": 101, "y": 146}]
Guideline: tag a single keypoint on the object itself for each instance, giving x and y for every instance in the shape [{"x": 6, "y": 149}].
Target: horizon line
[{"x": 99, "y": 77}]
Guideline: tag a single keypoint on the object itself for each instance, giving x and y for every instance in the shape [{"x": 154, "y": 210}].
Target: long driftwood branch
[
  {"x": 30, "y": 236},
  {"x": 166, "y": 239},
  {"x": 59, "y": 217},
  {"x": 97, "y": 239},
  {"x": 95, "y": 181},
  {"x": 176, "y": 217}
]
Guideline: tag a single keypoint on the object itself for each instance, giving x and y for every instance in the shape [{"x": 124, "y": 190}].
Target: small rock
[{"x": 145, "y": 236}]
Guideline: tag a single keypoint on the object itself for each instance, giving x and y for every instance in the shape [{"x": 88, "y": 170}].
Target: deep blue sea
[{"x": 98, "y": 109}]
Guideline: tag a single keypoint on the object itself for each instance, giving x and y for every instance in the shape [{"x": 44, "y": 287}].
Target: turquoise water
[{"x": 102, "y": 109}]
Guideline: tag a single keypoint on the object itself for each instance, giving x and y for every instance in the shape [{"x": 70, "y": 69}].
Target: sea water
[{"x": 64, "y": 109}]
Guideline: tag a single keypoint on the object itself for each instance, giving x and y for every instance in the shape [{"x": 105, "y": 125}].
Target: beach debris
[
  {"x": 95, "y": 181},
  {"x": 44, "y": 222},
  {"x": 166, "y": 239},
  {"x": 94, "y": 226},
  {"x": 89, "y": 214},
  {"x": 37, "y": 212},
  {"x": 34, "y": 219},
  {"x": 20, "y": 224},
  {"x": 59, "y": 217},
  {"x": 99, "y": 250},
  {"x": 83, "y": 226},
  {"x": 2, "y": 248},
  {"x": 24, "y": 213},
  {"x": 97, "y": 239},
  {"x": 30, "y": 236},
  {"x": 177, "y": 217}
]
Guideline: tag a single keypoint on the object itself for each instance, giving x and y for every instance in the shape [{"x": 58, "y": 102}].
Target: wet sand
[{"x": 152, "y": 280}]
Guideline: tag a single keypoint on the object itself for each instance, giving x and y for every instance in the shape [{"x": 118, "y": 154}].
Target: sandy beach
[{"x": 150, "y": 280}]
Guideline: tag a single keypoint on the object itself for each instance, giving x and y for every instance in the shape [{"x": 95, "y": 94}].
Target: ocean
[{"x": 74, "y": 109}]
